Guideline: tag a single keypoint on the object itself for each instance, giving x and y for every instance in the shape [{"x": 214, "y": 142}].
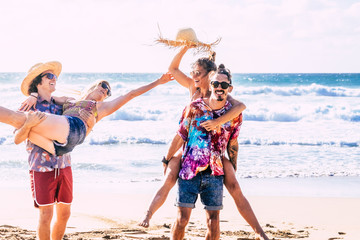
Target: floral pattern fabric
[
  {"x": 202, "y": 148},
  {"x": 39, "y": 159}
]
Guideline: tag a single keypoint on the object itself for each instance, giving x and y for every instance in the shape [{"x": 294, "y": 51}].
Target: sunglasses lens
[
  {"x": 224, "y": 85},
  {"x": 106, "y": 87},
  {"x": 50, "y": 76},
  {"x": 215, "y": 84}
]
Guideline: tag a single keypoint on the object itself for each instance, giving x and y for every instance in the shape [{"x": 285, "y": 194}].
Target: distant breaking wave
[
  {"x": 313, "y": 89},
  {"x": 255, "y": 142},
  {"x": 130, "y": 140}
]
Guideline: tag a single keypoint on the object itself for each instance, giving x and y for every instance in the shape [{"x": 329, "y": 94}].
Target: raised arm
[
  {"x": 179, "y": 76},
  {"x": 107, "y": 108},
  {"x": 237, "y": 108}
]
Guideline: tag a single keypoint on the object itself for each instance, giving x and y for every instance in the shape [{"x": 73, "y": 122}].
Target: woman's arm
[
  {"x": 107, "y": 108},
  {"x": 179, "y": 76},
  {"x": 237, "y": 108}
]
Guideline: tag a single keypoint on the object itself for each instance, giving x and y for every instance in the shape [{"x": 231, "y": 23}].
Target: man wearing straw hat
[{"x": 50, "y": 176}]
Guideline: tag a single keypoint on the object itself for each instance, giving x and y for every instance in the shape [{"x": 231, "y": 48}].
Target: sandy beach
[{"x": 109, "y": 212}]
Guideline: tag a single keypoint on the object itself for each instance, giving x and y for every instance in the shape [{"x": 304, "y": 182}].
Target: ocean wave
[
  {"x": 128, "y": 140},
  {"x": 267, "y": 142},
  {"x": 313, "y": 89},
  {"x": 297, "y": 174}
]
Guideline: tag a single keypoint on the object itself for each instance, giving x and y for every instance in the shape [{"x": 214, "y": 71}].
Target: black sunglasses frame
[
  {"x": 106, "y": 87},
  {"x": 224, "y": 85}
]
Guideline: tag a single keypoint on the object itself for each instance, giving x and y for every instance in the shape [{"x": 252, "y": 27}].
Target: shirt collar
[{"x": 41, "y": 100}]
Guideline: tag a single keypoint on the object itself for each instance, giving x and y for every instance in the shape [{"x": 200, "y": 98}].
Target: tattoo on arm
[{"x": 232, "y": 150}]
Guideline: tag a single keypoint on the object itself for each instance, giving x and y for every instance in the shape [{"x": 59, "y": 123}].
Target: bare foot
[
  {"x": 146, "y": 222},
  {"x": 261, "y": 236}
]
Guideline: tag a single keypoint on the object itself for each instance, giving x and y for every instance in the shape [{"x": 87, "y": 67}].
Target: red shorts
[{"x": 51, "y": 187}]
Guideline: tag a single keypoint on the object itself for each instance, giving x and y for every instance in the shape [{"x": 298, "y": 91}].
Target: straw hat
[
  {"x": 187, "y": 37},
  {"x": 36, "y": 70}
]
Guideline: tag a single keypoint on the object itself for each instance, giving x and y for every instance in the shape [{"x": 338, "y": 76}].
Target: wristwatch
[{"x": 165, "y": 161}]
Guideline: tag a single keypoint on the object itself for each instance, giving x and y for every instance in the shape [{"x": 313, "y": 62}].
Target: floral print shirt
[
  {"x": 202, "y": 148},
  {"x": 39, "y": 159}
]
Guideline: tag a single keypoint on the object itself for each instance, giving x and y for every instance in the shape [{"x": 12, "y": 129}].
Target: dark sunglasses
[
  {"x": 49, "y": 76},
  {"x": 106, "y": 87},
  {"x": 224, "y": 85}
]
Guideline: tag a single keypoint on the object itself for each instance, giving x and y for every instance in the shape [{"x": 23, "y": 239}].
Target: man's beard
[{"x": 220, "y": 99}]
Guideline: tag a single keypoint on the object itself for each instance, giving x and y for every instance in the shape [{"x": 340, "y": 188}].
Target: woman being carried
[{"x": 60, "y": 134}]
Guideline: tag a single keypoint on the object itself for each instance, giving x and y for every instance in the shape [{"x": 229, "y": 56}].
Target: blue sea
[{"x": 300, "y": 136}]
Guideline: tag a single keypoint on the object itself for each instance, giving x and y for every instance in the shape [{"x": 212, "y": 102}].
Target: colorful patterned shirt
[
  {"x": 202, "y": 148},
  {"x": 39, "y": 159}
]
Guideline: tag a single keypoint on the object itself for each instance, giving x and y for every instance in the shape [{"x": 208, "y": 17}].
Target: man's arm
[
  {"x": 33, "y": 119},
  {"x": 232, "y": 150}
]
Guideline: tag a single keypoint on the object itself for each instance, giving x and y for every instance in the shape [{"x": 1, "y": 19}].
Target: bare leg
[
  {"x": 178, "y": 229},
  {"x": 172, "y": 173},
  {"x": 42, "y": 142},
  {"x": 45, "y": 216},
  {"x": 54, "y": 127},
  {"x": 15, "y": 119},
  {"x": 62, "y": 216},
  {"x": 213, "y": 225},
  {"x": 241, "y": 202}
]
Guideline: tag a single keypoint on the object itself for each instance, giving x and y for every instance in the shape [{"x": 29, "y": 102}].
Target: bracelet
[
  {"x": 33, "y": 96},
  {"x": 165, "y": 161}
]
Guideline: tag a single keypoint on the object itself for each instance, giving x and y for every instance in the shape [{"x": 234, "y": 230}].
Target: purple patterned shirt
[
  {"x": 39, "y": 159},
  {"x": 202, "y": 148}
]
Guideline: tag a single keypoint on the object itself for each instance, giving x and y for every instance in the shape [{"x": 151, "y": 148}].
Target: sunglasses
[
  {"x": 195, "y": 73},
  {"x": 224, "y": 85},
  {"x": 106, "y": 87},
  {"x": 49, "y": 76}
]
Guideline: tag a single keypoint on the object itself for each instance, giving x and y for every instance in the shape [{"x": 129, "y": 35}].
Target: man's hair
[
  {"x": 225, "y": 71},
  {"x": 34, "y": 84}
]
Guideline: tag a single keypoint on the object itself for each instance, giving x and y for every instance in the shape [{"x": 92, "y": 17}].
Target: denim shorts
[
  {"x": 209, "y": 187},
  {"x": 77, "y": 134}
]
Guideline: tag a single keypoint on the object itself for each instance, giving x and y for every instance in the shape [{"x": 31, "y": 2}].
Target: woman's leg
[
  {"x": 54, "y": 127},
  {"x": 13, "y": 118},
  {"x": 42, "y": 142},
  {"x": 241, "y": 202},
  {"x": 172, "y": 173}
]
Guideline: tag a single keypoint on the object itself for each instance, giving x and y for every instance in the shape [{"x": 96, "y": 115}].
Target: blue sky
[{"x": 118, "y": 35}]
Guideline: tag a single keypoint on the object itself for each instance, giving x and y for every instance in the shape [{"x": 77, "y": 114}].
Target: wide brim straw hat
[
  {"x": 36, "y": 70},
  {"x": 187, "y": 37}
]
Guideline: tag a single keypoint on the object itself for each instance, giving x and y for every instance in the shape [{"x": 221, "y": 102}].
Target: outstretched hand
[
  {"x": 28, "y": 104},
  {"x": 167, "y": 77},
  {"x": 34, "y": 118}
]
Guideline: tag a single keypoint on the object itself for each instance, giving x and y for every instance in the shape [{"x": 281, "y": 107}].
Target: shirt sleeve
[
  {"x": 236, "y": 127},
  {"x": 184, "y": 125}
]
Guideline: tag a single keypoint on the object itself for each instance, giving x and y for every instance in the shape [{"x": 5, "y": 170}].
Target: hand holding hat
[{"x": 187, "y": 37}]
